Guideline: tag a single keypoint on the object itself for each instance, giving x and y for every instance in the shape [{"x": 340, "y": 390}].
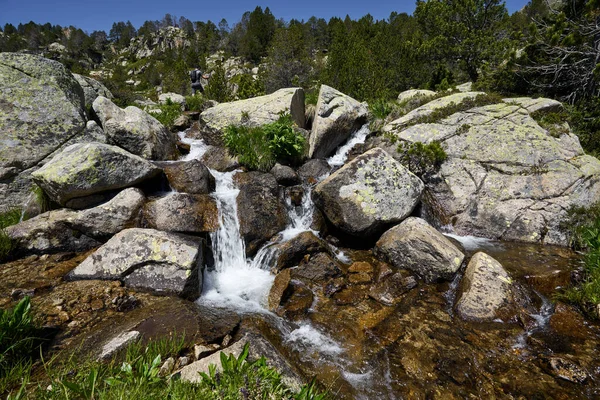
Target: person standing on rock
[{"x": 196, "y": 75}]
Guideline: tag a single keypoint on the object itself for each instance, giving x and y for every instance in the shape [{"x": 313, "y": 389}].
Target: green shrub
[
  {"x": 312, "y": 96},
  {"x": 218, "y": 87},
  {"x": 422, "y": 159},
  {"x": 8, "y": 218},
  {"x": 169, "y": 112},
  {"x": 19, "y": 343},
  {"x": 380, "y": 108},
  {"x": 195, "y": 103},
  {"x": 583, "y": 228},
  {"x": 248, "y": 87},
  {"x": 259, "y": 148}
]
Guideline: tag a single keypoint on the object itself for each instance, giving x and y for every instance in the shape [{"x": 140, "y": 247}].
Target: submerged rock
[
  {"x": 486, "y": 289},
  {"x": 84, "y": 169},
  {"x": 135, "y": 131},
  {"x": 368, "y": 194},
  {"x": 257, "y": 111},
  {"x": 417, "y": 246},
  {"x": 337, "y": 117},
  {"x": 149, "y": 259}
]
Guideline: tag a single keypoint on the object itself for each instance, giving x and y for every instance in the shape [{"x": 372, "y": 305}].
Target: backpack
[{"x": 194, "y": 76}]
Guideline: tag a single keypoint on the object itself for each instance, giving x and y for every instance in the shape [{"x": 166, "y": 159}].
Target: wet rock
[
  {"x": 567, "y": 322},
  {"x": 92, "y": 89},
  {"x": 313, "y": 170},
  {"x": 41, "y": 108},
  {"x": 84, "y": 169},
  {"x": 219, "y": 159},
  {"x": 368, "y": 194},
  {"x": 118, "y": 343},
  {"x": 66, "y": 230},
  {"x": 188, "y": 176},
  {"x": 417, "y": 246},
  {"x": 135, "y": 131},
  {"x": 390, "y": 291},
  {"x": 261, "y": 210},
  {"x": 181, "y": 123},
  {"x": 350, "y": 296},
  {"x": 257, "y": 111},
  {"x": 486, "y": 288},
  {"x": 567, "y": 370},
  {"x": 296, "y": 305},
  {"x": 316, "y": 270},
  {"x": 149, "y": 259},
  {"x": 295, "y": 194},
  {"x": 258, "y": 347},
  {"x": 337, "y": 117},
  {"x": 280, "y": 286},
  {"x": 182, "y": 212},
  {"x": 285, "y": 175},
  {"x": 290, "y": 253}
]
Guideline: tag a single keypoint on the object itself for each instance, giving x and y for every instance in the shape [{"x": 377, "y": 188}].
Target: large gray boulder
[
  {"x": 182, "y": 212},
  {"x": 92, "y": 89},
  {"x": 41, "y": 108},
  {"x": 257, "y": 111},
  {"x": 261, "y": 209},
  {"x": 506, "y": 177},
  {"x": 148, "y": 259},
  {"x": 414, "y": 95},
  {"x": 368, "y": 194},
  {"x": 417, "y": 246},
  {"x": 67, "y": 230},
  {"x": 84, "y": 169},
  {"x": 337, "y": 117},
  {"x": 428, "y": 108},
  {"x": 135, "y": 130},
  {"x": 486, "y": 289}
]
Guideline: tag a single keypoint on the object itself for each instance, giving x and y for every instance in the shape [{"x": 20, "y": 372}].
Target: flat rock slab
[
  {"x": 368, "y": 194},
  {"x": 84, "y": 169},
  {"x": 257, "y": 111},
  {"x": 149, "y": 259}
]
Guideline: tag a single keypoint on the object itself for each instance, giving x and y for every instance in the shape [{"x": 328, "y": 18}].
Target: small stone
[
  {"x": 183, "y": 361},
  {"x": 226, "y": 340},
  {"x": 118, "y": 343},
  {"x": 97, "y": 304},
  {"x": 58, "y": 302},
  {"x": 167, "y": 367},
  {"x": 361, "y": 277},
  {"x": 64, "y": 316},
  {"x": 360, "y": 266},
  {"x": 201, "y": 351}
]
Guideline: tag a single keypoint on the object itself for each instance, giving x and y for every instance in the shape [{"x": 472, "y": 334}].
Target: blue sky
[{"x": 100, "y": 14}]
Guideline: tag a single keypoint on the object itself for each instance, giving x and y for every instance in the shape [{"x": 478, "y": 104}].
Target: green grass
[
  {"x": 137, "y": 377},
  {"x": 195, "y": 103},
  {"x": 260, "y": 148},
  {"x": 20, "y": 341},
  {"x": 381, "y": 108},
  {"x": 583, "y": 227},
  {"x": 7, "y": 218},
  {"x": 169, "y": 113}
]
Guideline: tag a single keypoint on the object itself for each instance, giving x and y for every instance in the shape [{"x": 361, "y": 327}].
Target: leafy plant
[
  {"x": 7, "y": 218},
  {"x": 380, "y": 108},
  {"x": 260, "y": 147},
  {"x": 422, "y": 159},
  {"x": 169, "y": 112},
  {"x": 195, "y": 103}
]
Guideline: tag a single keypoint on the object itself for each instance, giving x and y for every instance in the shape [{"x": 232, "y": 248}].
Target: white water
[
  {"x": 197, "y": 147},
  {"x": 341, "y": 155},
  {"x": 542, "y": 319},
  {"x": 309, "y": 340}
]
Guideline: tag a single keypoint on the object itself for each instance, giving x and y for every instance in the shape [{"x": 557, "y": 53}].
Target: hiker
[{"x": 196, "y": 75}]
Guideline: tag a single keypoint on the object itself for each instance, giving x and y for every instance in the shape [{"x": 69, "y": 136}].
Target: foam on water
[
  {"x": 475, "y": 243},
  {"x": 197, "y": 147},
  {"x": 308, "y": 339},
  {"x": 341, "y": 155}
]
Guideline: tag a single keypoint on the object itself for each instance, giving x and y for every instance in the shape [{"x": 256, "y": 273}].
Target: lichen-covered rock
[
  {"x": 417, "y": 246},
  {"x": 182, "y": 212},
  {"x": 337, "y": 117},
  {"x": 261, "y": 210},
  {"x": 368, "y": 194},
  {"x": 486, "y": 288},
  {"x": 540, "y": 104},
  {"x": 41, "y": 108},
  {"x": 84, "y": 169},
  {"x": 93, "y": 133},
  {"x": 411, "y": 94},
  {"x": 257, "y": 111},
  {"x": 188, "y": 176},
  {"x": 174, "y": 98},
  {"x": 92, "y": 89},
  {"x": 149, "y": 259},
  {"x": 429, "y": 108},
  {"x": 135, "y": 130},
  {"x": 506, "y": 177},
  {"x": 66, "y": 230}
]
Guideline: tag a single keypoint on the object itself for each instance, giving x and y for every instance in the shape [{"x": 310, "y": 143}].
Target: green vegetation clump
[
  {"x": 195, "y": 103},
  {"x": 169, "y": 112},
  {"x": 422, "y": 159},
  {"x": 480, "y": 100},
  {"x": 381, "y": 108},
  {"x": 583, "y": 227},
  {"x": 248, "y": 87},
  {"x": 137, "y": 374},
  {"x": 7, "y": 218},
  {"x": 20, "y": 342},
  {"x": 553, "y": 122},
  {"x": 261, "y": 147}
]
